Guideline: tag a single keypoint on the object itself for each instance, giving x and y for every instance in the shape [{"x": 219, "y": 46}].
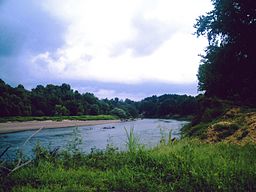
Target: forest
[{"x": 54, "y": 100}]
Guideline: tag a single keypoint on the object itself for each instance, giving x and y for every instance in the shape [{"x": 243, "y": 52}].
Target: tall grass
[
  {"x": 186, "y": 165},
  {"x": 132, "y": 142}
]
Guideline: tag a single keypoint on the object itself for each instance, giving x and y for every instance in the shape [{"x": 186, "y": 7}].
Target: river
[{"x": 148, "y": 131}]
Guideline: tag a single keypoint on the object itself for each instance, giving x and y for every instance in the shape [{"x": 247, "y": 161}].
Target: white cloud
[
  {"x": 103, "y": 43},
  {"x": 108, "y": 93}
]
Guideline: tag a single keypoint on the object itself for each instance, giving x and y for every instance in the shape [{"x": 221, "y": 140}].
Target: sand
[{"x": 10, "y": 127}]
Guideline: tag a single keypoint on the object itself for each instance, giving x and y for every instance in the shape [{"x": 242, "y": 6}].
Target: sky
[{"x": 115, "y": 48}]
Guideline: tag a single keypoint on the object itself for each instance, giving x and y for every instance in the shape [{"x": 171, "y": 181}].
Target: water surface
[{"x": 149, "y": 132}]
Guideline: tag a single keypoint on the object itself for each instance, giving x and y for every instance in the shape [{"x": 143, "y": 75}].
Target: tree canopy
[
  {"x": 228, "y": 67},
  {"x": 61, "y": 100}
]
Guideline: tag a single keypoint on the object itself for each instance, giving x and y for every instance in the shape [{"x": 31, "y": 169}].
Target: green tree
[
  {"x": 61, "y": 110},
  {"x": 39, "y": 101},
  {"x": 149, "y": 106},
  {"x": 74, "y": 107},
  {"x": 119, "y": 113},
  {"x": 228, "y": 67},
  {"x": 25, "y": 103},
  {"x": 94, "y": 109}
]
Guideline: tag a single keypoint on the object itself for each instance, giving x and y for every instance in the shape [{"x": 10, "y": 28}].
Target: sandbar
[{"x": 10, "y": 127}]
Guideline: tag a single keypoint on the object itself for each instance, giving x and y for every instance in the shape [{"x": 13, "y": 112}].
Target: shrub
[{"x": 119, "y": 113}]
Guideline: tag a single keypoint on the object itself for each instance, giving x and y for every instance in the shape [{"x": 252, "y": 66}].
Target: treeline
[
  {"x": 169, "y": 106},
  {"x": 59, "y": 100},
  {"x": 54, "y": 100}
]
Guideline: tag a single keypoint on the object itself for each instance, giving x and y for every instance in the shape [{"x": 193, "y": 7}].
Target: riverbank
[
  {"x": 186, "y": 165},
  {"x": 56, "y": 118},
  {"x": 224, "y": 122},
  {"x": 10, "y": 127}
]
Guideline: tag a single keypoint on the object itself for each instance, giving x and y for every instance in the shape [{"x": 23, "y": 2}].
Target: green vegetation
[
  {"x": 54, "y": 100},
  {"x": 220, "y": 120},
  {"x": 186, "y": 165},
  {"x": 169, "y": 106},
  {"x": 58, "y": 101},
  {"x": 58, "y": 118},
  {"x": 119, "y": 113},
  {"x": 198, "y": 130},
  {"x": 227, "y": 74},
  {"x": 132, "y": 141},
  {"x": 227, "y": 68}
]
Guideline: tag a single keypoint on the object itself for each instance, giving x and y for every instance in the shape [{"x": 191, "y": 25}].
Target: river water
[{"x": 148, "y": 131}]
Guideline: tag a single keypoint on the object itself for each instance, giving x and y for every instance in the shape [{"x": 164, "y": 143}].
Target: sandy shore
[{"x": 10, "y": 127}]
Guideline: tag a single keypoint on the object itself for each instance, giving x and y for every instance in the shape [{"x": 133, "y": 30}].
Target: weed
[{"x": 132, "y": 142}]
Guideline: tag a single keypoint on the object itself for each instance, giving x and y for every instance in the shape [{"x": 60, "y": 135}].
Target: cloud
[
  {"x": 149, "y": 36},
  {"x": 106, "y": 93},
  {"x": 135, "y": 92},
  {"x": 25, "y": 30},
  {"x": 25, "y": 24},
  {"x": 126, "y": 43}
]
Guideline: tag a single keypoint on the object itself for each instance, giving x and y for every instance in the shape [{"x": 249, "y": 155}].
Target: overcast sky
[{"x": 113, "y": 48}]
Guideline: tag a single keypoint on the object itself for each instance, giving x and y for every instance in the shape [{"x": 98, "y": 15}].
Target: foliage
[
  {"x": 53, "y": 100},
  {"x": 228, "y": 69},
  {"x": 119, "y": 113},
  {"x": 210, "y": 108},
  {"x": 186, "y": 165},
  {"x": 61, "y": 110},
  {"x": 169, "y": 106}
]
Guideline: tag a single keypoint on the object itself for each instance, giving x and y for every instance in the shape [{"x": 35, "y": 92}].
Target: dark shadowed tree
[{"x": 228, "y": 67}]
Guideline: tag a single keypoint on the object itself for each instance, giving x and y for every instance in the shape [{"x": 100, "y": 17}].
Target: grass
[
  {"x": 132, "y": 142},
  {"x": 58, "y": 118},
  {"x": 185, "y": 165}
]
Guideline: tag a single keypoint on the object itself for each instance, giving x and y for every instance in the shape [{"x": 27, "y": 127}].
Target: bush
[{"x": 119, "y": 113}]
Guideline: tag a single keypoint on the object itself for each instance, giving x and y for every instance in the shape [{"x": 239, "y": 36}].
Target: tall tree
[{"x": 228, "y": 67}]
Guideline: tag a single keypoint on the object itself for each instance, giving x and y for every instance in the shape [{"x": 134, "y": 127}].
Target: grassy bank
[
  {"x": 186, "y": 165},
  {"x": 232, "y": 125},
  {"x": 58, "y": 118}
]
